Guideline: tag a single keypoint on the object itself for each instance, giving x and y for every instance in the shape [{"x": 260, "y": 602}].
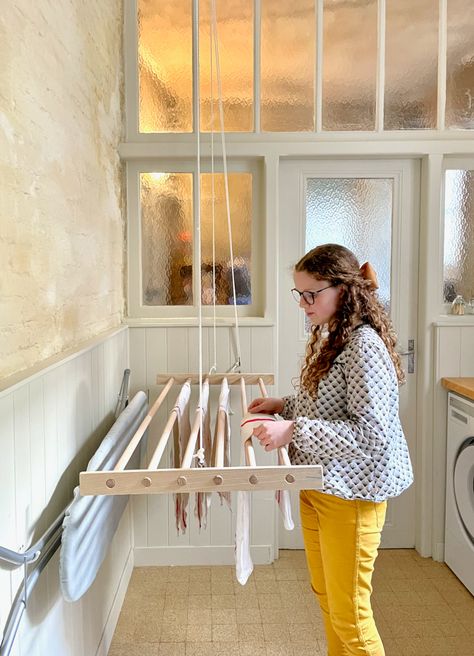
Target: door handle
[{"x": 411, "y": 356}]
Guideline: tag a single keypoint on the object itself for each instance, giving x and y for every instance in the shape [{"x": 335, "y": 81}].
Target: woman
[{"x": 344, "y": 417}]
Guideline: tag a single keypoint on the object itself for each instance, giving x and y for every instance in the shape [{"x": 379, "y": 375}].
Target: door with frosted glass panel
[{"x": 371, "y": 207}]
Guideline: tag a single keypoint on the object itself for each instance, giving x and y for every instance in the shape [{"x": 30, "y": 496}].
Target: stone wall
[{"x": 61, "y": 219}]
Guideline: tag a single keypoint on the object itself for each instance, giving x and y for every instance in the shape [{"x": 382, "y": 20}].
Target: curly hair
[{"x": 357, "y": 299}]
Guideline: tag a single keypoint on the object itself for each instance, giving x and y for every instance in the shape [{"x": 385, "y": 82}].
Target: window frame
[
  {"x": 449, "y": 164},
  {"x": 136, "y": 308}
]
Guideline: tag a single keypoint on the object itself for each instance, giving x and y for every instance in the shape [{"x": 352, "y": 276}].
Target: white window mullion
[
  {"x": 442, "y": 54},
  {"x": 257, "y": 23},
  {"x": 380, "y": 84},
  {"x": 318, "y": 87}
]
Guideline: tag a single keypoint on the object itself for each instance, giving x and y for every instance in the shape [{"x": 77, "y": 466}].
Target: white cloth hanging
[
  {"x": 181, "y": 432},
  {"x": 224, "y": 406},
  {"x": 202, "y": 500},
  {"x": 284, "y": 503},
  {"x": 243, "y": 559}
]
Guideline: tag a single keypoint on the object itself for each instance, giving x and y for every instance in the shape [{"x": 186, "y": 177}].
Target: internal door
[{"x": 371, "y": 207}]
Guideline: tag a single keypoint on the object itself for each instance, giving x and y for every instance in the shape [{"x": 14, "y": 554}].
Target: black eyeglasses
[{"x": 308, "y": 296}]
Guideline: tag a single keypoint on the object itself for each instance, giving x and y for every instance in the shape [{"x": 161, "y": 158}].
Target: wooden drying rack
[{"x": 218, "y": 478}]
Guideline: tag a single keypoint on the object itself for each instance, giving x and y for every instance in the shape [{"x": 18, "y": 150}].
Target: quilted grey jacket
[{"x": 352, "y": 428}]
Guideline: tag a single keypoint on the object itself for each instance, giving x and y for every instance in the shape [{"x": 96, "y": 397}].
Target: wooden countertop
[{"x": 463, "y": 386}]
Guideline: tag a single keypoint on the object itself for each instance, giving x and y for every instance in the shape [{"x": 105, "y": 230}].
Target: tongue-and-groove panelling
[
  {"x": 50, "y": 425},
  {"x": 156, "y": 350}
]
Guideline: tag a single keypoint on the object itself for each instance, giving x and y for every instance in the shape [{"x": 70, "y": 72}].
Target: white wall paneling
[
  {"x": 453, "y": 356},
  {"x": 50, "y": 425}
]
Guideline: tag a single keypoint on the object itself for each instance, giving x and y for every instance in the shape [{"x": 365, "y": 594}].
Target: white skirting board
[
  {"x": 111, "y": 623},
  {"x": 262, "y": 554}
]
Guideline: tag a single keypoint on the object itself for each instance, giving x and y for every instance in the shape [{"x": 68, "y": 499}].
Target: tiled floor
[{"x": 421, "y": 609}]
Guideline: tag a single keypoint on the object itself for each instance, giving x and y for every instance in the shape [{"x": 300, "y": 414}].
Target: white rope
[
  {"x": 226, "y": 180},
  {"x": 213, "y": 196},
  {"x": 198, "y": 218}
]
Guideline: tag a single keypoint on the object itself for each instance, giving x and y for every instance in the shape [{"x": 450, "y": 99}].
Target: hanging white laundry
[
  {"x": 223, "y": 407},
  {"x": 243, "y": 559},
  {"x": 181, "y": 432},
  {"x": 284, "y": 503},
  {"x": 203, "y": 499}
]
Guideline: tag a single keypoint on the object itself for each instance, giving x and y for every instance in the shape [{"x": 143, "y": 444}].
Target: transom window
[{"x": 300, "y": 65}]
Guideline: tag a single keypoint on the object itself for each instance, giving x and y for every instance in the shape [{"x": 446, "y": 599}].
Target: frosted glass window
[
  {"x": 236, "y": 48},
  {"x": 240, "y": 198},
  {"x": 165, "y": 65},
  {"x": 349, "y": 65},
  {"x": 460, "y": 65},
  {"x": 356, "y": 213},
  {"x": 411, "y": 64},
  {"x": 288, "y": 47},
  {"x": 459, "y": 235},
  {"x": 167, "y": 238}
]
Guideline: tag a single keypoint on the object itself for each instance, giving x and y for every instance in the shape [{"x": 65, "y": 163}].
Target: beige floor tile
[
  {"x": 177, "y": 587},
  {"x": 200, "y": 574},
  {"x": 223, "y": 601},
  {"x": 273, "y": 649},
  {"x": 420, "y": 608},
  {"x": 222, "y": 587},
  {"x": 225, "y": 633},
  {"x": 303, "y": 633},
  {"x": 178, "y": 573},
  {"x": 253, "y": 649},
  {"x": 246, "y": 601},
  {"x": 222, "y": 573},
  {"x": 200, "y": 587},
  {"x": 172, "y": 649},
  {"x": 175, "y": 616},
  {"x": 199, "y": 633},
  {"x": 223, "y": 616},
  {"x": 226, "y": 648},
  {"x": 252, "y": 633},
  {"x": 200, "y": 649},
  {"x": 267, "y": 586},
  {"x": 286, "y": 574},
  {"x": 269, "y": 601},
  {"x": 276, "y": 633},
  {"x": 199, "y": 616},
  {"x": 125, "y": 629},
  {"x": 274, "y": 615},
  {"x": 132, "y": 649},
  {"x": 309, "y": 649},
  {"x": 176, "y": 601},
  {"x": 199, "y": 601},
  {"x": 248, "y": 616},
  {"x": 147, "y": 629},
  {"x": 173, "y": 632}
]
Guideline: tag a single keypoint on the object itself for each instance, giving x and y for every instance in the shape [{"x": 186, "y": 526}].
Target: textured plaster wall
[{"x": 61, "y": 220}]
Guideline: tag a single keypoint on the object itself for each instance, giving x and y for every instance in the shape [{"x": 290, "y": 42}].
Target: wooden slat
[
  {"x": 132, "y": 445},
  {"x": 230, "y": 479},
  {"x": 216, "y": 379}
]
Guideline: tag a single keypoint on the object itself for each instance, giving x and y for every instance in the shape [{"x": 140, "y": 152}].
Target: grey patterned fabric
[{"x": 353, "y": 428}]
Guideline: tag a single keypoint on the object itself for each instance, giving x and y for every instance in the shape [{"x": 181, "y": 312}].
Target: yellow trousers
[{"x": 341, "y": 541}]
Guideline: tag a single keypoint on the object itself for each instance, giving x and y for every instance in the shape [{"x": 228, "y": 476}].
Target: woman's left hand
[{"x": 273, "y": 434}]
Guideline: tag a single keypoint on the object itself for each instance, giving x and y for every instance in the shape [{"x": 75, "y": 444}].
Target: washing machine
[{"x": 459, "y": 534}]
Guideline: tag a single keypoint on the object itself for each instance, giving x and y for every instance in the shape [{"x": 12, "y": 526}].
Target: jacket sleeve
[
  {"x": 369, "y": 379},
  {"x": 288, "y": 411}
]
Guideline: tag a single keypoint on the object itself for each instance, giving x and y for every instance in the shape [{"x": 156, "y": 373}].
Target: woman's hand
[
  {"x": 269, "y": 405},
  {"x": 273, "y": 434}
]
